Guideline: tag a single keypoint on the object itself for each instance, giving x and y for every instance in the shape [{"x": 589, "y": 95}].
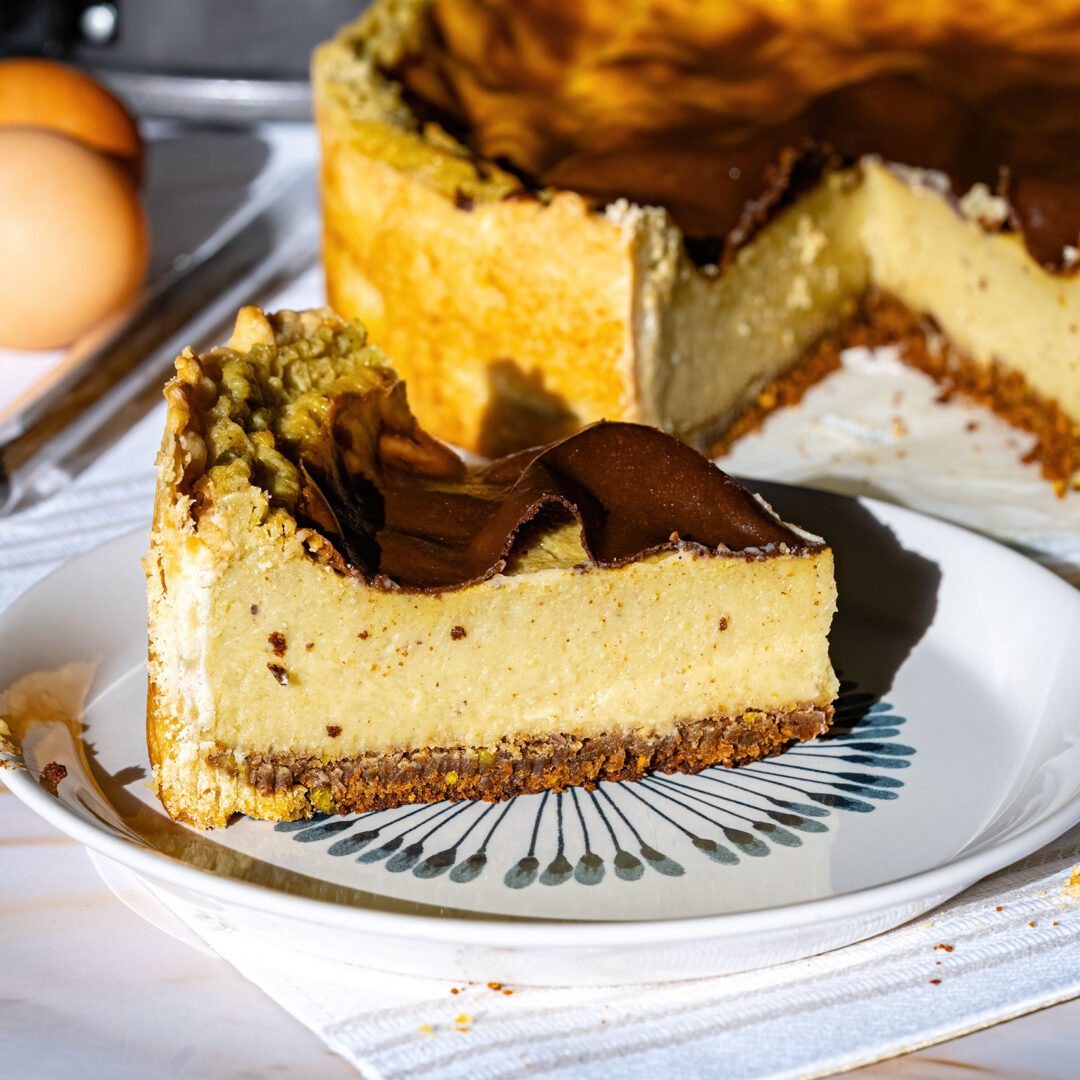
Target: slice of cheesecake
[
  {"x": 343, "y": 616},
  {"x": 674, "y": 214}
]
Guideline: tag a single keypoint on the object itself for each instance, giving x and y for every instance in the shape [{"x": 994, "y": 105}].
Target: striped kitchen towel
[{"x": 1006, "y": 947}]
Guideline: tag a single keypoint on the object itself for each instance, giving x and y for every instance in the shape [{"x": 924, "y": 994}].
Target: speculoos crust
[
  {"x": 525, "y": 766},
  {"x": 923, "y": 345},
  {"x": 884, "y": 320}
]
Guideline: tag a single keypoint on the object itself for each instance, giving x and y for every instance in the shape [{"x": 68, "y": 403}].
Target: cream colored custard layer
[
  {"x": 983, "y": 289},
  {"x": 675, "y": 637},
  {"x": 723, "y": 338}
]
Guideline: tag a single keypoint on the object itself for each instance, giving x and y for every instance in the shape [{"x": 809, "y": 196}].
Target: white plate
[{"x": 956, "y": 751}]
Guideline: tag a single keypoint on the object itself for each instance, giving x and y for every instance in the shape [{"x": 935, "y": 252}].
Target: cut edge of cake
[{"x": 263, "y": 694}]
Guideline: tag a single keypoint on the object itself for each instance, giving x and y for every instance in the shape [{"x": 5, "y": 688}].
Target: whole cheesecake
[
  {"x": 345, "y": 617},
  {"x": 675, "y": 214}
]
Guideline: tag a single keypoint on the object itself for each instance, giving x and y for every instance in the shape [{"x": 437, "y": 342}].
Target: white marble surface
[{"x": 89, "y": 989}]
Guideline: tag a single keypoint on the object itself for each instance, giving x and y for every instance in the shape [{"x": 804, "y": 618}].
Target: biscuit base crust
[
  {"x": 883, "y": 320},
  {"x": 284, "y": 786}
]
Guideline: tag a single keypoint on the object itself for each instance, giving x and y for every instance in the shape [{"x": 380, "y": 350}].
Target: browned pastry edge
[
  {"x": 884, "y": 320},
  {"x": 735, "y": 121},
  {"x": 614, "y": 478},
  {"x": 524, "y": 766}
]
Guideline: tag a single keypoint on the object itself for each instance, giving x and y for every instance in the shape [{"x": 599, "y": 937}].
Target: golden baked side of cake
[
  {"x": 577, "y": 286},
  {"x": 287, "y": 676},
  {"x": 486, "y": 366}
]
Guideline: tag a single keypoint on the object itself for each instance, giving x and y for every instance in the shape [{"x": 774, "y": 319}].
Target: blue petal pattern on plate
[{"x": 588, "y": 837}]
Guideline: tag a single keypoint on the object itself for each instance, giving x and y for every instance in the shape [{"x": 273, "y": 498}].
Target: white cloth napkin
[{"x": 809, "y": 1018}]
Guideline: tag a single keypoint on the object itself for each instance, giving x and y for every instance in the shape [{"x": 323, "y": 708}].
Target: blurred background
[
  {"x": 198, "y": 59},
  {"x": 167, "y": 149}
]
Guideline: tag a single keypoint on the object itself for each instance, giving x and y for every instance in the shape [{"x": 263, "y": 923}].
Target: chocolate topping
[
  {"x": 405, "y": 512},
  {"x": 715, "y": 111}
]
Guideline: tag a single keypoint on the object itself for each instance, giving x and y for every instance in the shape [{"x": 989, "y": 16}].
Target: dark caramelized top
[
  {"x": 719, "y": 111},
  {"x": 406, "y": 512}
]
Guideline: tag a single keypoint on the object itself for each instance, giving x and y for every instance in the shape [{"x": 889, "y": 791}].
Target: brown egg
[
  {"x": 73, "y": 240},
  {"x": 43, "y": 93}
]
